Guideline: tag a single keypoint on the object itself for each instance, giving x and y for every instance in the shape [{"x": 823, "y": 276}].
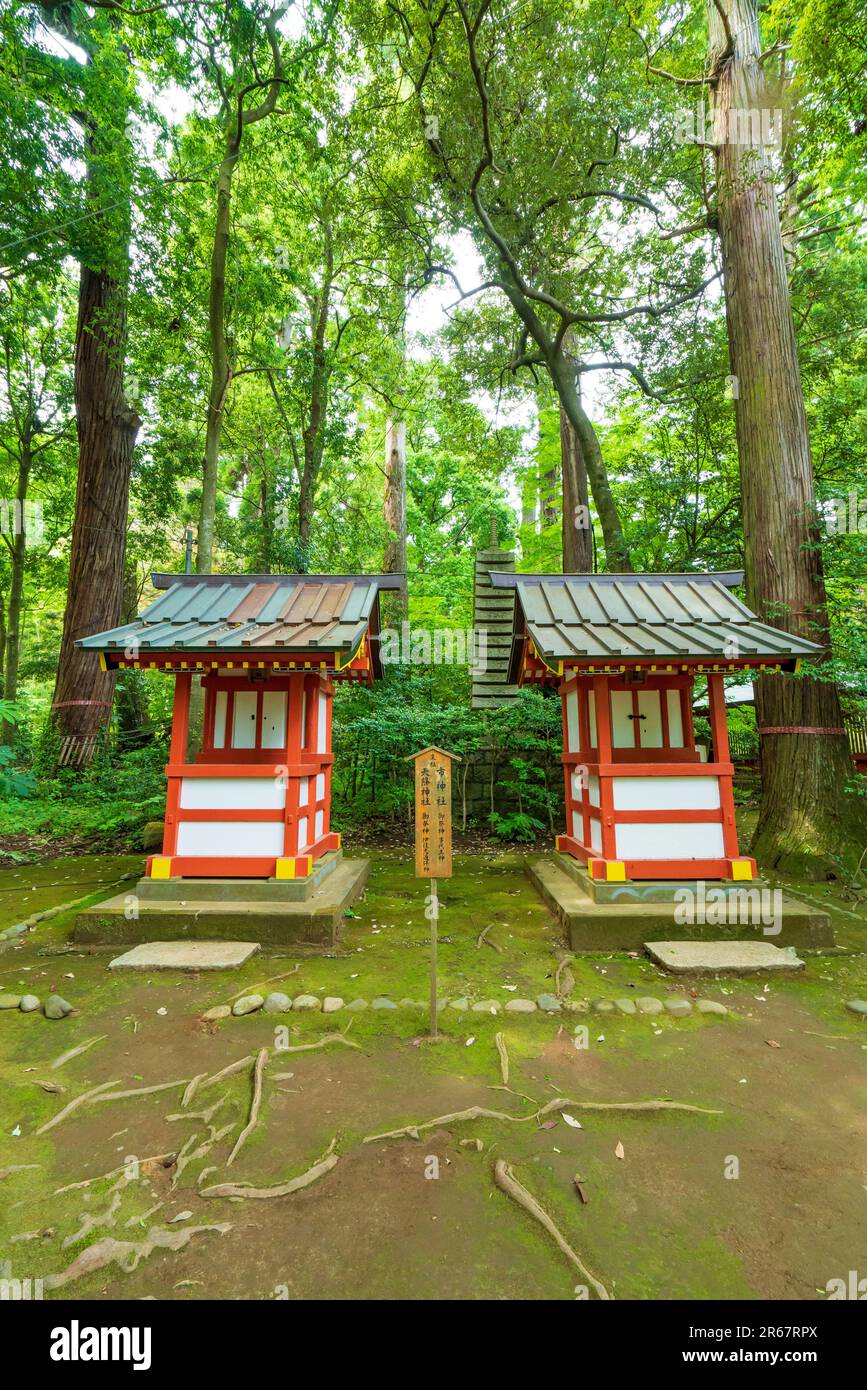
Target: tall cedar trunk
[
  {"x": 577, "y": 535},
  {"x": 16, "y": 587},
  {"x": 133, "y": 723},
  {"x": 565, "y": 382},
  {"x": 395, "y": 604},
  {"x": 107, "y": 430},
  {"x": 804, "y": 768},
  {"x": 219, "y": 360}
]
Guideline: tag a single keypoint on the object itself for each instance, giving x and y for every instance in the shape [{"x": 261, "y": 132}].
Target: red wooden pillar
[
  {"x": 177, "y": 757},
  {"x": 722, "y": 758},
  {"x": 603, "y": 746}
]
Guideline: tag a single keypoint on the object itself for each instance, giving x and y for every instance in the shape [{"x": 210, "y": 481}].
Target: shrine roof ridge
[{"x": 604, "y": 619}]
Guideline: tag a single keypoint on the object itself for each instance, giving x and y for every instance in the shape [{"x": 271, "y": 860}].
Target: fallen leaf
[
  {"x": 579, "y": 1188},
  {"x": 772, "y": 1043},
  {"x": 619, "y": 1151},
  {"x": 570, "y": 1120}
]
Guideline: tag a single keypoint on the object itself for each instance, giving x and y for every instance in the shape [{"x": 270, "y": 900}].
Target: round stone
[
  {"x": 307, "y": 1001},
  {"x": 602, "y": 1006},
  {"x": 680, "y": 1008},
  {"x": 857, "y": 1006},
  {"x": 10, "y": 1001},
  {"x": 217, "y": 1012},
  {"x": 331, "y": 1004},
  {"x": 576, "y": 1006},
  {"x": 710, "y": 1006},
  {"x": 461, "y": 1004},
  {"x": 29, "y": 1004},
  {"x": 486, "y": 1006},
  {"x": 648, "y": 1005},
  {"x": 520, "y": 1006},
  {"x": 626, "y": 1006},
  {"x": 382, "y": 1003},
  {"x": 356, "y": 1006},
  {"x": 249, "y": 1004},
  {"x": 277, "y": 1003},
  {"x": 57, "y": 1007},
  {"x": 549, "y": 1003}
]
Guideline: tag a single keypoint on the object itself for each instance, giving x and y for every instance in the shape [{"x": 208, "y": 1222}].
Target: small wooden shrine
[
  {"x": 255, "y": 800},
  {"x": 624, "y": 650}
]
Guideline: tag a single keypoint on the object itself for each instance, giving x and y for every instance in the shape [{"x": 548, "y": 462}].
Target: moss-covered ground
[{"x": 422, "y": 1218}]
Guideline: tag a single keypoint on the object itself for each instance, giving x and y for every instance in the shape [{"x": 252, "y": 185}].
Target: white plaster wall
[
  {"x": 666, "y": 794},
  {"x": 238, "y": 839},
  {"x": 232, "y": 794},
  {"x": 653, "y": 841}
]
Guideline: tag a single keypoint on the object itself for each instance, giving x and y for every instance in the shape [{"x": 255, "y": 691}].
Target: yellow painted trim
[
  {"x": 615, "y": 871},
  {"x": 797, "y": 665},
  {"x": 309, "y": 858},
  {"x": 102, "y": 665},
  {"x": 339, "y": 839},
  {"x": 741, "y": 869},
  {"x": 161, "y": 867},
  {"x": 285, "y": 868}
]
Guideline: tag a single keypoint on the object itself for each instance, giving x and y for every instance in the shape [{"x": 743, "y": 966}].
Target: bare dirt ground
[{"x": 422, "y": 1218}]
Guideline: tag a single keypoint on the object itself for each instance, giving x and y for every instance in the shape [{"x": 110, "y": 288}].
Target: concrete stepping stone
[
  {"x": 722, "y": 957},
  {"x": 186, "y": 955}
]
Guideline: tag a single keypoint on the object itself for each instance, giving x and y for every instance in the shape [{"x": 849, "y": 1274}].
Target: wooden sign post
[{"x": 433, "y": 840}]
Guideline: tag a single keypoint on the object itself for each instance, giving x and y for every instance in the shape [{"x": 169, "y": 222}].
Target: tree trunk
[
  {"x": 219, "y": 362},
  {"x": 133, "y": 723},
  {"x": 395, "y": 603},
  {"x": 577, "y": 531},
  {"x": 805, "y": 754},
  {"x": 565, "y": 382},
  {"x": 16, "y": 587},
  {"x": 107, "y": 429}
]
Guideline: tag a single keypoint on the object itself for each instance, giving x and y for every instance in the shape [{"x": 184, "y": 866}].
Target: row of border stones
[{"x": 278, "y": 1003}]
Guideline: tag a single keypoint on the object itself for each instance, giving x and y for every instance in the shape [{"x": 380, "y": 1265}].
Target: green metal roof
[
  {"x": 604, "y": 618},
  {"x": 252, "y": 612}
]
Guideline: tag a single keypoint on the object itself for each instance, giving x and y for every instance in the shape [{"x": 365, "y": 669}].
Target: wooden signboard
[
  {"x": 433, "y": 841},
  {"x": 433, "y": 812}
]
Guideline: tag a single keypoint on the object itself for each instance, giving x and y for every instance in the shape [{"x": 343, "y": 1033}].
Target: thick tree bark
[
  {"x": 133, "y": 723},
  {"x": 805, "y": 755},
  {"x": 577, "y": 532},
  {"x": 107, "y": 430},
  {"x": 616, "y": 550},
  {"x": 395, "y": 604},
  {"x": 16, "y": 586},
  {"x": 219, "y": 350}
]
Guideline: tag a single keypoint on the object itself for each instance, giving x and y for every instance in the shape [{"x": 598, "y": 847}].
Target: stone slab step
[
  {"x": 186, "y": 955},
  {"x": 722, "y": 957},
  {"x": 626, "y": 926}
]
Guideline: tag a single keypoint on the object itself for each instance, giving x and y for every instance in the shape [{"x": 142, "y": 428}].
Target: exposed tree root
[
  {"x": 255, "y": 989},
  {"x": 504, "y": 1057},
  {"x": 323, "y": 1042},
  {"x": 164, "y": 1160},
  {"x": 16, "y": 1168},
  {"x": 76, "y": 1051},
  {"x": 138, "y": 1091},
  {"x": 230, "y": 1070},
  {"x": 319, "y": 1169},
  {"x": 192, "y": 1087},
  {"x": 74, "y": 1105},
  {"x": 483, "y": 941},
  {"x": 478, "y": 1112},
  {"x": 255, "y": 1104},
  {"x": 561, "y": 989},
  {"x": 126, "y": 1254},
  {"x": 508, "y": 1183},
  {"x": 204, "y": 1115}
]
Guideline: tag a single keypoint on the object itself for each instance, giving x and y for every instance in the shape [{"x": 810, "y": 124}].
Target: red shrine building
[
  {"x": 643, "y": 799},
  {"x": 254, "y": 801}
]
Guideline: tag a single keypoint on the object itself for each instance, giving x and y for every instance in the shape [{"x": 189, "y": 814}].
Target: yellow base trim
[
  {"x": 285, "y": 868},
  {"x": 161, "y": 867},
  {"x": 615, "y": 871},
  {"x": 741, "y": 869}
]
